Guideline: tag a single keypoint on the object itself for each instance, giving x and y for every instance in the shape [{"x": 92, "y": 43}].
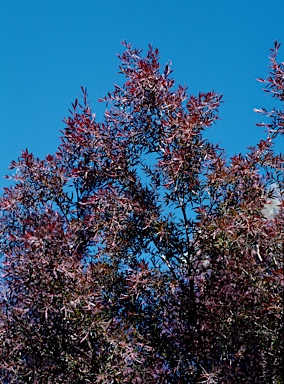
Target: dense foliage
[{"x": 138, "y": 253}]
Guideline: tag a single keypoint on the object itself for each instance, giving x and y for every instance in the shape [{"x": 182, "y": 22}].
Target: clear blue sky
[{"x": 49, "y": 48}]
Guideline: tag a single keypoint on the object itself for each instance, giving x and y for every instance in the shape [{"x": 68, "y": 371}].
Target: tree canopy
[{"x": 140, "y": 253}]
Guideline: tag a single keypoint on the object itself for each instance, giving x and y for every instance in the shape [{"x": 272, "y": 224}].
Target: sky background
[{"x": 49, "y": 48}]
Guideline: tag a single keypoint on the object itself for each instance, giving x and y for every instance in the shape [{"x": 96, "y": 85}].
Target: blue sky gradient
[{"x": 50, "y": 48}]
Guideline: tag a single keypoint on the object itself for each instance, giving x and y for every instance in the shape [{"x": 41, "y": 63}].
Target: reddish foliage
[{"x": 138, "y": 253}]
